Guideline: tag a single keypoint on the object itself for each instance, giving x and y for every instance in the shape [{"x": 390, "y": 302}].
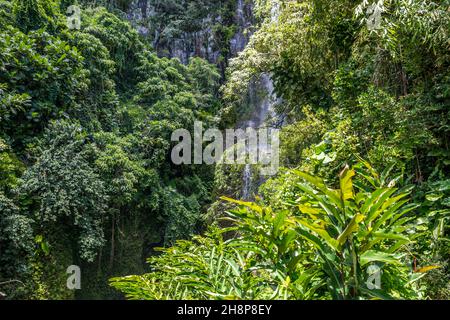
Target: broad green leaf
[
  {"x": 371, "y": 256},
  {"x": 321, "y": 232},
  {"x": 388, "y": 214},
  {"x": 434, "y": 197},
  {"x": 287, "y": 240},
  {"x": 351, "y": 227},
  {"x": 370, "y": 200},
  {"x": 386, "y": 172},
  {"x": 314, "y": 240},
  {"x": 278, "y": 222},
  {"x": 376, "y": 294},
  {"x": 234, "y": 267},
  {"x": 333, "y": 195},
  {"x": 45, "y": 247},
  {"x": 391, "y": 236},
  {"x": 377, "y": 202}
]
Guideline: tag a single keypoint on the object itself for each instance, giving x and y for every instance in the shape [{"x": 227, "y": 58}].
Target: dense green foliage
[
  {"x": 86, "y": 179},
  {"x": 317, "y": 243},
  {"x": 348, "y": 92}
]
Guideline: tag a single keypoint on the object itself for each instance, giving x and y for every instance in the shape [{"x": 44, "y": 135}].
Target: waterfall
[
  {"x": 244, "y": 23},
  {"x": 263, "y": 110},
  {"x": 247, "y": 180},
  {"x": 240, "y": 11},
  {"x": 263, "y": 113}
]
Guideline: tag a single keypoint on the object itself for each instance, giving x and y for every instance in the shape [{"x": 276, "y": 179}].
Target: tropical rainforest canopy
[{"x": 86, "y": 177}]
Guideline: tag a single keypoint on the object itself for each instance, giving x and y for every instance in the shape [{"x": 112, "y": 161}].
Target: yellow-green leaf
[
  {"x": 346, "y": 184},
  {"x": 249, "y": 205}
]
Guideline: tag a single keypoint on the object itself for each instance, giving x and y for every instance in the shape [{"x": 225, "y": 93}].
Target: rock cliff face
[
  {"x": 244, "y": 23},
  {"x": 213, "y": 30}
]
